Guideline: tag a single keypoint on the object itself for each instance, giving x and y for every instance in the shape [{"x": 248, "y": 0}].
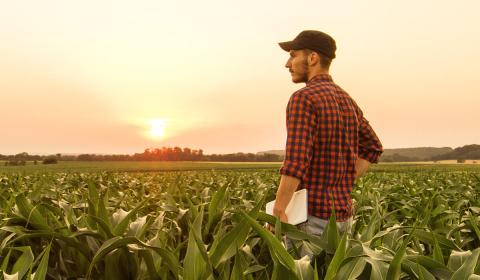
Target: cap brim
[{"x": 287, "y": 46}]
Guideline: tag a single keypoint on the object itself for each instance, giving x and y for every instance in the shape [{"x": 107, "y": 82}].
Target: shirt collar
[{"x": 320, "y": 78}]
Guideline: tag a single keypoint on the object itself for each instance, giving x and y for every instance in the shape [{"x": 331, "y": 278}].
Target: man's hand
[
  {"x": 285, "y": 191},
  {"x": 281, "y": 215},
  {"x": 361, "y": 167}
]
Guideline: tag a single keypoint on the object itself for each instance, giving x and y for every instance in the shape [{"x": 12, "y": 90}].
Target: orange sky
[{"x": 89, "y": 76}]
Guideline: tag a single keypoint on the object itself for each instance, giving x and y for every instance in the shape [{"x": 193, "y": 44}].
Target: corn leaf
[
  {"x": 119, "y": 242},
  {"x": 216, "y": 207},
  {"x": 42, "y": 268},
  {"x": 24, "y": 262},
  {"x": 352, "y": 269},
  {"x": 233, "y": 240},
  {"x": 304, "y": 268},
  {"x": 338, "y": 258},
  {"x": 468, "y": 267},
  {"x": 124, "y": 221},
  {"x": 278, "y": 252},
  {"x": 194, "y": 263},
  {"x": 31, "y": 213}
]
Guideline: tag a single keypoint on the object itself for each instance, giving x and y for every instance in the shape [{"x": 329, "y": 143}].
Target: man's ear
[{"x": 313, "y": 58}]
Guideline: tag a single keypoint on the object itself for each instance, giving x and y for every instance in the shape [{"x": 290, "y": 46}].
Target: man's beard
[{"x": 302, "y": 77}]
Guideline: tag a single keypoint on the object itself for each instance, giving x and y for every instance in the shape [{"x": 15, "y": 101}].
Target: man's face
[{"x": 298, "y": 66}]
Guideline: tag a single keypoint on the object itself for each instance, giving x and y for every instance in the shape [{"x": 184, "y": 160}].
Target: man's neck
[{"x": 316, "y": 72}]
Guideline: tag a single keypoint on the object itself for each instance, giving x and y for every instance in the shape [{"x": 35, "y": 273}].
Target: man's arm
[
  {"x": 288, "y": 185},
  {"x": 301, "y": 125},
  {"x": 369, "y": 146}
]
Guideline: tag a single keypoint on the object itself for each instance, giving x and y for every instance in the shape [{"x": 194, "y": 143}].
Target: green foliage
[{"x": 210, "y": 225}]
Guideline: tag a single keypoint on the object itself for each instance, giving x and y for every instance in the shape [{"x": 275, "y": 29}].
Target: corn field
[{"x": 210, "y": 225}]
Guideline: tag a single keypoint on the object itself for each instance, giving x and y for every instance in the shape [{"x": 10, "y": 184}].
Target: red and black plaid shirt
[{"x": 327, "y": 132}]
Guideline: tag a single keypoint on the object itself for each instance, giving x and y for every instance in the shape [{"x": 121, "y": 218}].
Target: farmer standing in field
[{"x": 329, "y": 141}]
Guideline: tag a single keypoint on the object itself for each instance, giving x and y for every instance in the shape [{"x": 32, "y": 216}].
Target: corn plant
[{"x": 210, "y": 225}]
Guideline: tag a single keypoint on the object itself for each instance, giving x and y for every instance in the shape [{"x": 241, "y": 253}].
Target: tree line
[{"x": 150, "y": 154}]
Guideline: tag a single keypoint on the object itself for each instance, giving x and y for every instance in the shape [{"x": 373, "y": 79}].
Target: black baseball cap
[{"x": 313, "y": 40}]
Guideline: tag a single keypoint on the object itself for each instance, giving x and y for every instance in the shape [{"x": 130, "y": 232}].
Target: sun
[{"x": 157, "y": 128}]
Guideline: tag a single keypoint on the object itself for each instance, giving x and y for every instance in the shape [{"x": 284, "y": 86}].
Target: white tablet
[{"x": 297, "y": 209}]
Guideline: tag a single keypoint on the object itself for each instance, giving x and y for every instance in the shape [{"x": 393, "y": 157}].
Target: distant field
[
  {"x": 149, "y": 166},
  {"x": 163, "y": 220},
  {"x": 134, "y": 166},
  {"x": 447, "y": 161},
  {"x": 207, "y": 224},
  {"x": 425, "y": 167}
]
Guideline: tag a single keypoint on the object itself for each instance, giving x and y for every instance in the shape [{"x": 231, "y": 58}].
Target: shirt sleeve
[
  {"x": 369, "y": 146},
  {"x": 300, "y": 132}
]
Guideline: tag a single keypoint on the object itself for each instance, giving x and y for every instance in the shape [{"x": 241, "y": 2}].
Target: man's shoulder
[
  {"x": 302, "y": 95},
  {"x": 316, "y": 91},
  {"x": 302, "y": 92}
]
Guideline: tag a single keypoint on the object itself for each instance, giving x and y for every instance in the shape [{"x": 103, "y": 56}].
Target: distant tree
[
  {"x": 21, "y": 156},
  {"x": 187, "y": 154},
  {"x": 50, "y": 160},
  {"x": 85, "y": 157},
  {"x": 170, "y": 155},
  {"x": 177, "y": 153},
  {"x": 271, "y": 157}
]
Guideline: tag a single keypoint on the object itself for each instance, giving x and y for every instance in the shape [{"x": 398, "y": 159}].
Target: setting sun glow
[
  {"x": 116, "y": 77},
  {"x": 157, "y": 128}
]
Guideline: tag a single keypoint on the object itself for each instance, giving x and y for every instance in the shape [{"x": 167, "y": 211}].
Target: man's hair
[{"x": 324, "y": 60}]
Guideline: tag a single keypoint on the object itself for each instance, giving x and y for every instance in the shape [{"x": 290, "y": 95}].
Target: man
[{"x": 329, "y": 141}]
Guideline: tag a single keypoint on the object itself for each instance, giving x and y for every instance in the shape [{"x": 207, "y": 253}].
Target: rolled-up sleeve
[
  {"x": 301, "y": 123},
  {"x": 369, "y": 146}
]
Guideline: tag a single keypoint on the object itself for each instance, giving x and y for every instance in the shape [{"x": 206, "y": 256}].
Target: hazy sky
[{"x": 90, "y": 76}]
